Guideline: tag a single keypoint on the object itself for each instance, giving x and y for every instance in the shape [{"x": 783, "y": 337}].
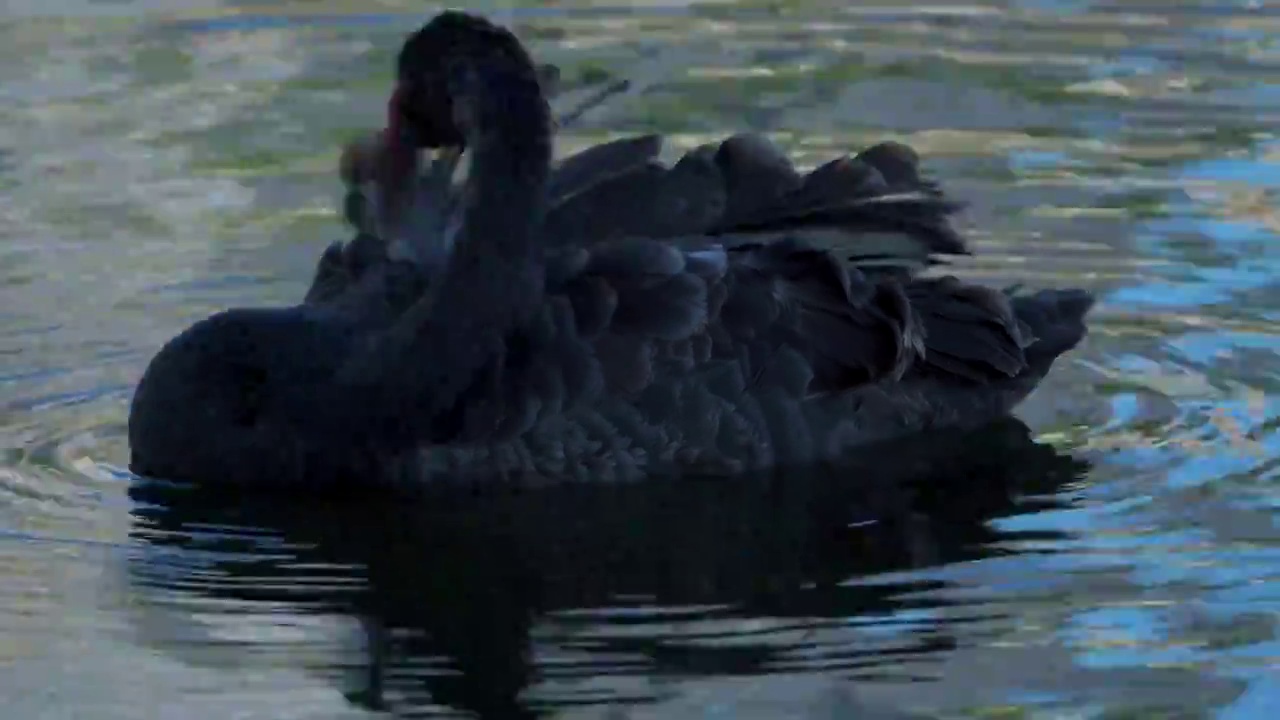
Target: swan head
[
  {"x": 426, "y": 108},
  {"x": 429, "y": 105},
  {"x": 388, "y": 194}
]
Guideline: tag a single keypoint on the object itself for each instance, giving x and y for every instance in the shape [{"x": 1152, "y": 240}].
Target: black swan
[{"x": 528, "y": 360}]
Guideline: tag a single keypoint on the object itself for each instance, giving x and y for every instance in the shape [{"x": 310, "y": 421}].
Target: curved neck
[
  {"x": 414, "y": 374},
  {"x": 508, "y": 135}
]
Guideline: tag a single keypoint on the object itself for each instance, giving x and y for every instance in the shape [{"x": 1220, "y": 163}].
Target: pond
[{"x": 1111, "y": 553}]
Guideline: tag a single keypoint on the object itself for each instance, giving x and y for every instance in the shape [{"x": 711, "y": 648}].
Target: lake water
[{"x": 1116, "y": 556}]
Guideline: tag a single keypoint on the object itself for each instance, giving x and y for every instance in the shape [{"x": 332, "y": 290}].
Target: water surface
[{"x": 1115, "y": 557}]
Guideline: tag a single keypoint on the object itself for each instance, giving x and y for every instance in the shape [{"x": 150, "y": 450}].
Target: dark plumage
[
  {"x": 545, "y": 343},
  {"x": 874, "y": 206}
]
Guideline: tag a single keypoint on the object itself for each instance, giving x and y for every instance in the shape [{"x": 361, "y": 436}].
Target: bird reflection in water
[{"x": 456, "y": 589}]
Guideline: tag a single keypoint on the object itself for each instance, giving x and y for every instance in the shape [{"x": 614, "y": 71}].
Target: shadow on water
[{"x": 513, "y": 604}]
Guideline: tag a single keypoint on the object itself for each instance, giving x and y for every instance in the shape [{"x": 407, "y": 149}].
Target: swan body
[{"x": 548, "y": 345}]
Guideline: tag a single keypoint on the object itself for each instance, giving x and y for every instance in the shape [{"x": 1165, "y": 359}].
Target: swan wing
[{"x": 873, "y": 205}]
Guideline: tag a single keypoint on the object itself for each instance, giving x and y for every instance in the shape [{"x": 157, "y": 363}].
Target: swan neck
[
  {"x": 416, "y": 375},
  {"x": 508, "y": 132}
]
